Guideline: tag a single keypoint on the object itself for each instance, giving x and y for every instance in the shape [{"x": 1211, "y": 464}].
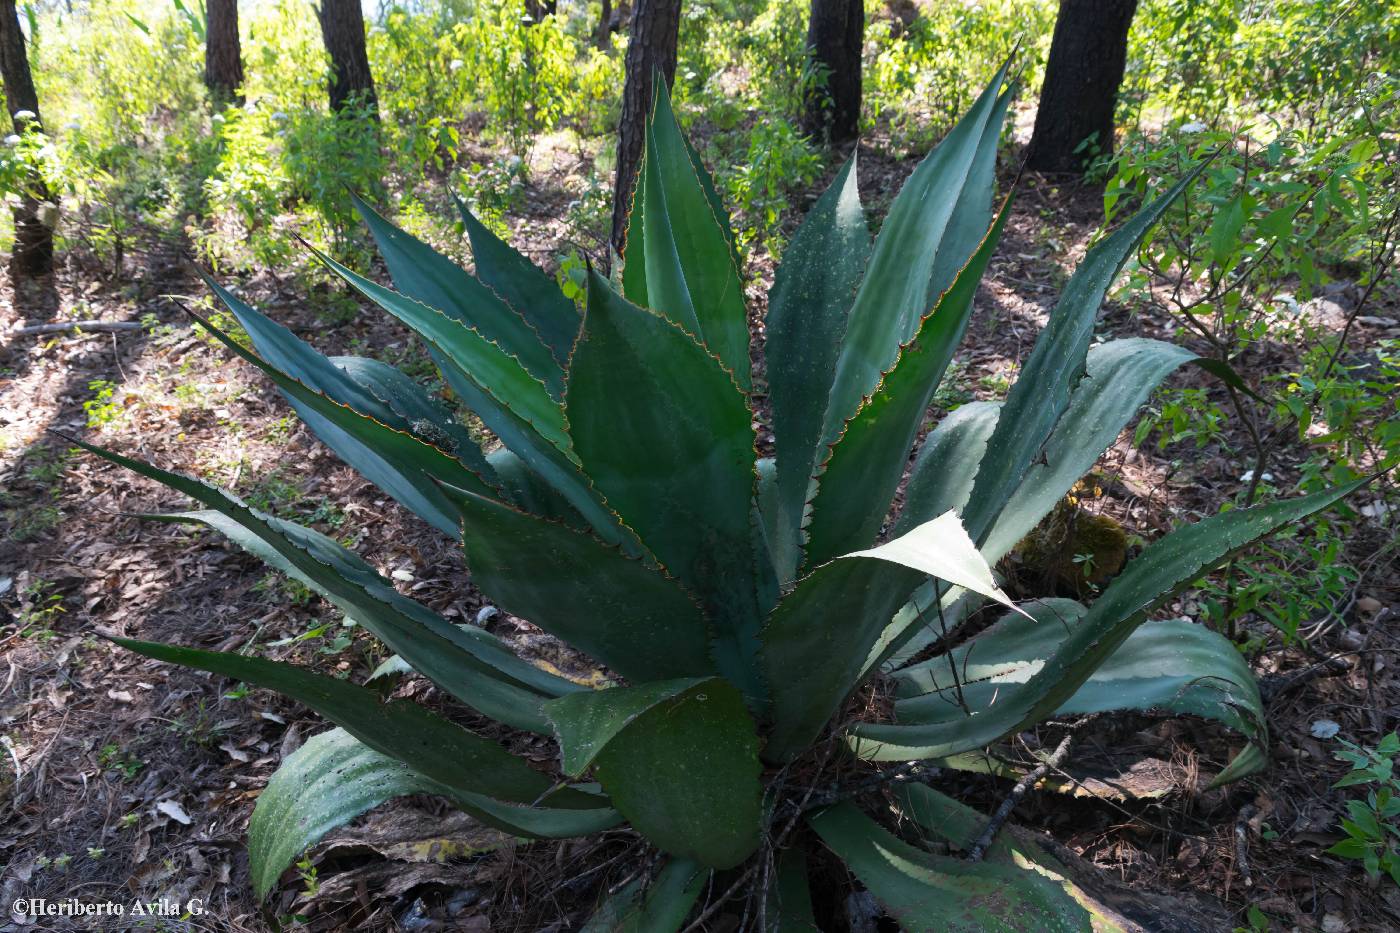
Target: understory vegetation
[{"x": 873, "y": 500}]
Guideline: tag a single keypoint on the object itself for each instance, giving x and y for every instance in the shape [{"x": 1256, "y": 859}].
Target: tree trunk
[
  {"x": 223, "y": 58},
  {"x": 832, "y": 97},
  {"x": 651, "y": 49},
  {"x": 33, "y": 250},
  {"x": 537, "y": 10},
  {"x": 1085, "y": 68},
  {"x": 605, "y": 26},
  {"x": 343, "y": 29}
]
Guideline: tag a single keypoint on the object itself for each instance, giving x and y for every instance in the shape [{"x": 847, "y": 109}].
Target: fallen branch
[
  {"x": 65, "y": 326},
  {"x": 989, "y": 832},
  {"x": 1275, "y": 686},
  {"x": 1242, "y": 842}
]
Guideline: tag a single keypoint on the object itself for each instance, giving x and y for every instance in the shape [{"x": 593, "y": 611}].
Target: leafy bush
[
  {"x": 741, "y": 606},
  {"x": 1373, "y": 834}
]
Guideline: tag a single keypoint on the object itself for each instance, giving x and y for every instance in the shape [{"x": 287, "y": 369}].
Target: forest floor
[{"x": 124, "y": 778}]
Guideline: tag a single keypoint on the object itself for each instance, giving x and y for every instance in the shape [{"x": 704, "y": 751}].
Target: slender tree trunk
[
  {"x": 831, "y": 99},
  {"x": 223, "y": 58},
  {"x": 601, "y": 37},
  {"x": 33, "y": 249},
  {"x": 651, "y": 49},
  {"x": 537, "y": 10},
  {"x": 343, "y": 29},
  {"x": 1087, "y": 56}
]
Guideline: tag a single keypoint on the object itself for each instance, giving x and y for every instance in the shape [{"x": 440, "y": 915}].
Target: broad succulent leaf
[
  {"x": 321, "y": 786},
  {"x": 816, "y": 641},
  {"x": 679, "y": 760},
  {"x": 511, "y": 401},
  {"x": 859, "y": 476},
  {"x": 916, "y": 236},
  {"x": 524, "y": 286},
  {"x": 1161, "y": 571},
  {"x": 1119, "y": 377},
  {"x": 430, "y": 278},
  {"x": 807, "y": 310},
  {"x": 472, "y": 768},
  {"x": 943, "y": 472},
  {"x": 472, "y": 665},
  {"x": 667, "y": 437},
  {"x": 685, "y": 253},
  {"x": 398, "y": 461},
  {"x": 790, "y": 898},
  {"x": 660, "y": 907},
  {"x": 930, "y": 893},
  {"x": 629, "y": 616},
  {"x": 1173, "y": 666},
  {"x": 945, "y": 819},
  {"x": 1056, "y": 364}
]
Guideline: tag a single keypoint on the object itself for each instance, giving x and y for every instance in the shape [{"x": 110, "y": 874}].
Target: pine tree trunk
[
  {"x": 1087, "y": 56},
  {"x": 33, "y": 250},
  {"x": 223, "y": 58},
  {"x": 835, "y": 33},
  {"x": 343, "y": 29},
  {"x": 601, "y": 37},
  {"x": 651, "y": 49}
]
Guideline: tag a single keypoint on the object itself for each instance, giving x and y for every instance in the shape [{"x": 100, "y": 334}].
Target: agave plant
[{"x": 740, "y": 606}]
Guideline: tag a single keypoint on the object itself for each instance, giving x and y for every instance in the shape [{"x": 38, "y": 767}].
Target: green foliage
[
  {"x": 740, "y": 602},
  {"x": 1373, "y": 832}
]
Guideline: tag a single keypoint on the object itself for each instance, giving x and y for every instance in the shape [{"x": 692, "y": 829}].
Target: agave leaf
[
  {"x": 679, "y": 760},
  {"x": 1119, "y": 377},
  {"x": 1169, "y": 665},
  {"x": 460, "y": 760},
  {"x": 473, "y": 666},
  {"x": 512, "y": 402},
  {"x": 524, "y": 286},
  {"x": 397, "y": 461},
  {"x": 942, "y": 476},
  {"x": 1041, "y": 393},
  {"x": 428, "y": 277},
  {"x": 929, "y": 893},
  {"x": 816, "y": 641},
  {"x": 321, "y": 786},
  {"x": 861, "y": 472},
  {"x": 660, "y": 907},
  {"x": 1162, "y": 570},
  {"x": 807, "y": 310},
  {"x": 946, "y": 819},
  {"x": 446, "y": 654},
  {"x": 417, "y": 411},
  {"x": 666, "y": 436},
  {"x": 790, "y": 898},
  {"x": 685, "y": 251},
  {"x": 529, "y": 491},
  {"x": 918, "y": 236},
  {"x": 631, "y": 617}
]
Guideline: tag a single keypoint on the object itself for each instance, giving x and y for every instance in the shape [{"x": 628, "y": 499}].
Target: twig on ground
[
  {"x": 1057, "y": 758},
  {"x": 1242, "y": 842},
  {"x": 1275, "y": 686},
  {"x": 65, "y": 326}
]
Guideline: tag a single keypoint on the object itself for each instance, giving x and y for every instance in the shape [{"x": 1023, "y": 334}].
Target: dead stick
[
  {"x": 1242, "y": 842},
  {"x": 64, "y": 327},
  {"x": 1057, "y": 758}
]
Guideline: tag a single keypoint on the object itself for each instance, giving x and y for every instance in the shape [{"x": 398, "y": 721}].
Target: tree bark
[
  {"x": 831, "y": 99},
  {"x": 33, "y": 250},
  {"x": 343, "y": 29},
  {"x": 223, "y": 57},
  {"x": 1087, "y": 56},
  {"x": 605, "y": 26},
  {"x": 651, "y": 49},
  {"x": 537, "y": 10}
]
